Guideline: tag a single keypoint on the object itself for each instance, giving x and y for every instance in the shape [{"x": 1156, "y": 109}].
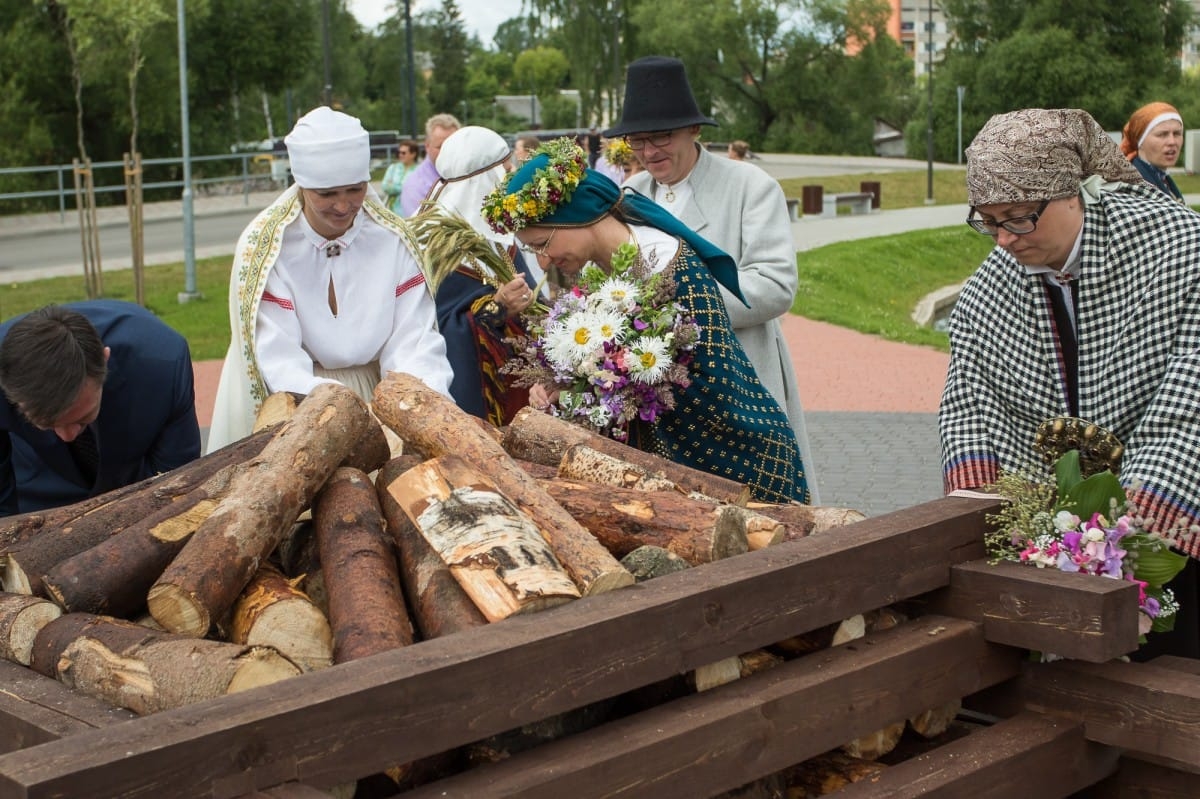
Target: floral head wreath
[
  {"x": 541, "y": 194},
  {"x": 618, "y": 152}
]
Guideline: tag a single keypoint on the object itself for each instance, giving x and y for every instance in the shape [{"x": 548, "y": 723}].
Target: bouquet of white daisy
[{"x": 614, "y": 347}]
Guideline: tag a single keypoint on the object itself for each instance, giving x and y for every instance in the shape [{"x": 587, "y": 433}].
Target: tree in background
[
  {"x": 448, "y": 52},
  {"x": 542, "y": 72},
  {"x": 1106, "y": 56},
  {"x": 596, "y": 36},
  {"x": 225, "y": 65}
]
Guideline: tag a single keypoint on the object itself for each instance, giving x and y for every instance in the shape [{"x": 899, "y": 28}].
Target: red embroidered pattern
[
  {"x": 412, "y": 282},
  {"x": 282, "y": 302}
]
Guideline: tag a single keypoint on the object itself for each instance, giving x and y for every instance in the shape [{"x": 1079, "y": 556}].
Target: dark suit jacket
[{"x": 147, "y": 422}]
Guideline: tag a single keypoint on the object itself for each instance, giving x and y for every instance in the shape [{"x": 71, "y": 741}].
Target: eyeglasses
[
  {"x": 539, "y": 252},
  {"x": 1017, "y": 225},
  {"x": 660, "y": 139}
]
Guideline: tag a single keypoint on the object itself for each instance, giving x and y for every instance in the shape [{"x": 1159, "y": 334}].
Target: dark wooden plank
[
  {"x": 1140, "y": 707},
  {"x": 1053, "y": 752},
  {"x": 1189, "y": 665},
  {"x": 1046, "y": 610},
  {"x": 1139, "y": 779},
  {"x": 36, "y": 709},
  {"x": 718, "y": 740},
  {"x": 289, "y": 790},
  {"x": 358, "y": 718}
]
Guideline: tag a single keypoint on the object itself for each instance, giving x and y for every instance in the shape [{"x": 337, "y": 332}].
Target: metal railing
[{"x": 245, "y": 177}]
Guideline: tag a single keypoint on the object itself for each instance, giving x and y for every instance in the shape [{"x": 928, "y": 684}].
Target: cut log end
[
  {"x": 178, "y": 611},
  {"x": 608, "y": 581},
  {"x": 261, "y": 665},
  {"x": 21, "y": 618}
]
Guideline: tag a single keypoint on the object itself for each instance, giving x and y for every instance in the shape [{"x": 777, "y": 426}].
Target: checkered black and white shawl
[{"x": 1139, "y": 358}]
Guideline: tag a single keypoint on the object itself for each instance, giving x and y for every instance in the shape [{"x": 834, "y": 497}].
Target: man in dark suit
[{"x": 97, "y": 395}]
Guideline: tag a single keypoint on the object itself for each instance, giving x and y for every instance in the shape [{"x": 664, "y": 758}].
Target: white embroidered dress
[{"x": 286, "y": 335}]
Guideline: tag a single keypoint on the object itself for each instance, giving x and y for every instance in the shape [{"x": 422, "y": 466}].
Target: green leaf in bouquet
[
  {"x": 1066, "y": 471},
  {"x": 1154, "y": 562},
  {"x": 1101, "y": 493}
]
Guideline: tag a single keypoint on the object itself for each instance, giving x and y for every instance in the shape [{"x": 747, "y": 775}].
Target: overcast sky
[{"x": 481, "y": 17}]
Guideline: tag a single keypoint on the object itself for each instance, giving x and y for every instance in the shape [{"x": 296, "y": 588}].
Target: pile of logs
[{"x": 307, "y": 544}]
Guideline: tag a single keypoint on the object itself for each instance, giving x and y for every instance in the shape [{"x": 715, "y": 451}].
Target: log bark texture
[
  {"x": 113, "y": 577},
  {"x": 438, "y": 603},
  {"x": 435, "y": 426},
  {"x": 801, "y": 521},
  {"x": 542, "y": 438},
  {"x": 371, "y": 452},
  {"x": 623, "y": 519},
  {"x": 145, "y": 671},
  {"x": 494, "y": 551},
  {"x": 206, "y": 577},
  {"x": 73, "y": 528},
  {"x": 358, "y": 561},
  {"x": 21, "y": 618}
]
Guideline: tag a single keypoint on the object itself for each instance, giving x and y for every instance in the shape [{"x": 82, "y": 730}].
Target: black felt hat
[{"x": 657, "y": 97}]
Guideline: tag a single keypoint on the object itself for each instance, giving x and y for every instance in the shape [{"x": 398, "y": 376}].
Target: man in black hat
[{"x": 735, "y": 205}]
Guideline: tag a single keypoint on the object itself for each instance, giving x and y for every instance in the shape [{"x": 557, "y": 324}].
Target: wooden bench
[{"x": 858, "y": 202}]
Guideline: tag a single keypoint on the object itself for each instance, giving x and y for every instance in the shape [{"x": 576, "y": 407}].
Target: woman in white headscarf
[
  {"x": 325, "y": 287},
  {"x": 476, "y": 309}
]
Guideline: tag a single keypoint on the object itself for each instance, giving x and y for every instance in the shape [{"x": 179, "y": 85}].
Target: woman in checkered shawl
[{"x": 1077, "y": 227}]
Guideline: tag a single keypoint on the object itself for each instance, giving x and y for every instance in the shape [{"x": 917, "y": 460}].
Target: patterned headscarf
[
  {"x": 1144, "y": 120},
  {"x": 1041, "y": 154}
]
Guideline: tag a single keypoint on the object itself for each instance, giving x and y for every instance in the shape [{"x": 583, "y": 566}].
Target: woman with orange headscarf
[{"x": 1151, "y": 140}]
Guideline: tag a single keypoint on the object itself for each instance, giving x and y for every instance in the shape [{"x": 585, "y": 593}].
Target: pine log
[
  {"x": 21, "y": 618},
  {"x": 494, "y": 551},
  {"x": 581, "y": 462},
  {"x": 801, "y": 521},
  {"x": 540, "y": 437},
  {"x": 438, "y": 603},
  {"x": 73, "y": 528},
  {"x": 206, "y": 577},
  {"x": 936, "y": 720},
  {"x": 299, "y": 557},
  {"x": 358, "y": 560},
  {"x": 273, "y": 612},
  {"x": 648, "y": 562},
  {"x": 876, "y": 744},
  {"x": 435, "y": 426},
  {"x": 114, "y": 576},
  {"x": 145, "y": 671},
  {"x": 371, "y": 452},
  {"x": 623, "y": 519},
  {"x": 829, "y": 773}
]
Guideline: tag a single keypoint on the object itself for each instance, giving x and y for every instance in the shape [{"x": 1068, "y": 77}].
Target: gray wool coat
[{"x": 742, "y": 210}]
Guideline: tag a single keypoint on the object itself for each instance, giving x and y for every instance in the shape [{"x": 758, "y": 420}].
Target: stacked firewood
[{"x": 308, "y": 544}]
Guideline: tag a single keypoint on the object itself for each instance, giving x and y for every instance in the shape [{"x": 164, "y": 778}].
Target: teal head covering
[{"x": 596, "y": 195}]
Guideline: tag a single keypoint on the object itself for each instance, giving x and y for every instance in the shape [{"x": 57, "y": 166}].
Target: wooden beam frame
[
  {"x": 1044, "y": 610},
  {"x": 748, "y": 729},
  {"x": 327, "y": 727}
]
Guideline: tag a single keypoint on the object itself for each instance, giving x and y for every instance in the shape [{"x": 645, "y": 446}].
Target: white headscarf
[
  {"x": 328, "y": 149},
  {"x": 471, "y": 164}
]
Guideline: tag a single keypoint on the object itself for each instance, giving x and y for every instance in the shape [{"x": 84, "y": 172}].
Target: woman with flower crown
[{"x": 724, "y": 421}]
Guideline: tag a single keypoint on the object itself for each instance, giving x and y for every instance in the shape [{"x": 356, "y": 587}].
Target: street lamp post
[
  {"x": 929, "y": 124},
  {"x": 961, "y": 91},
  {"x": 325, "y": 42},
  {"x": 412, "y": 91},
  {"x": 189, "y": 292}
]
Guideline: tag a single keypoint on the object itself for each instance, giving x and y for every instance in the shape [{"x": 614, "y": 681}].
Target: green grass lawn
[
  {"x": 204, "y": 322},
  {"x": 870, "y": 285}
]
